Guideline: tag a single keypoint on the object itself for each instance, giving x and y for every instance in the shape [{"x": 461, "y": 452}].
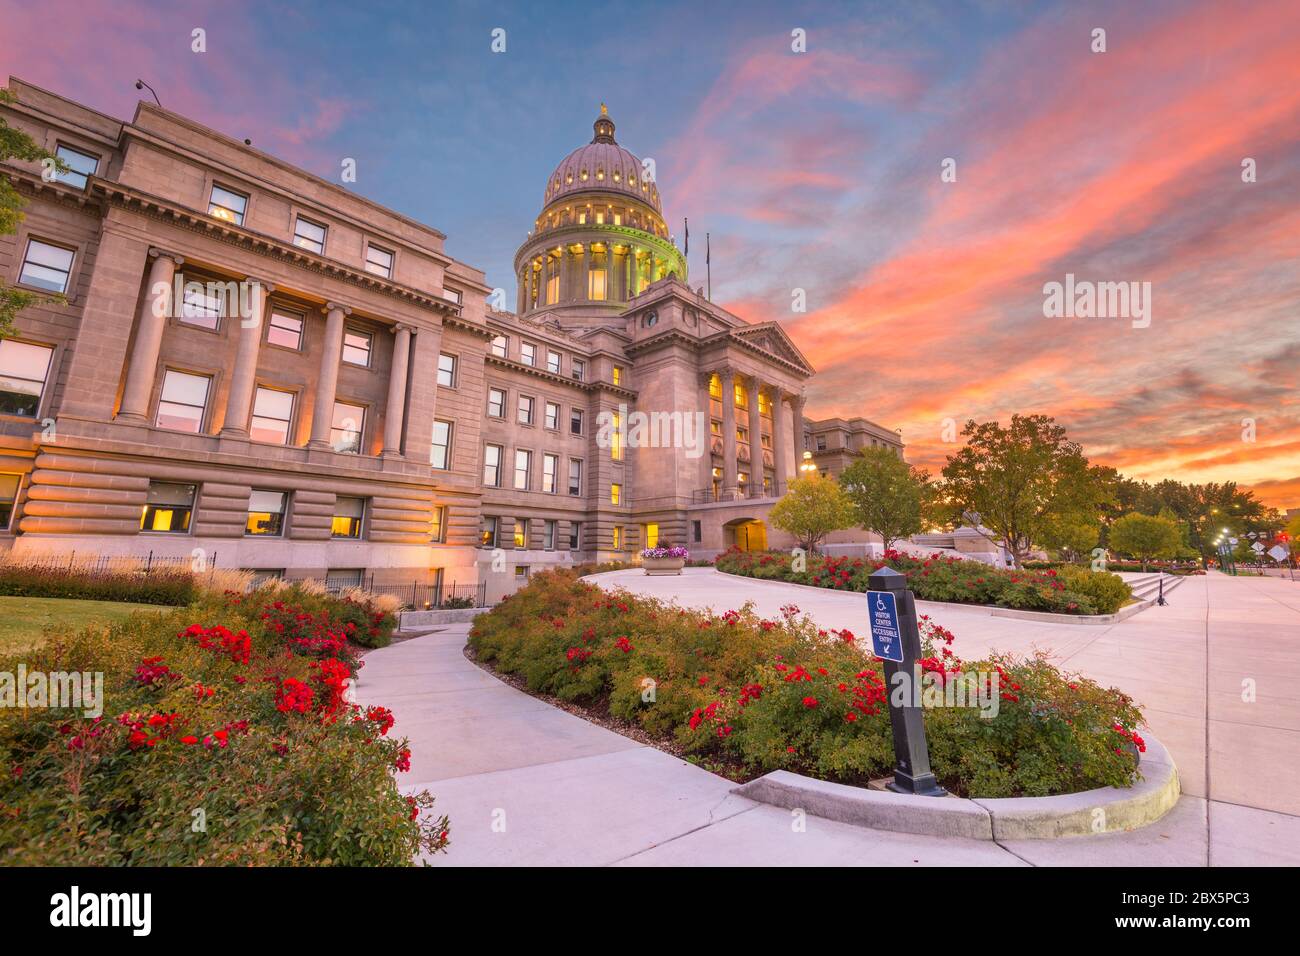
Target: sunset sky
[{"x": 821, "y": 171}]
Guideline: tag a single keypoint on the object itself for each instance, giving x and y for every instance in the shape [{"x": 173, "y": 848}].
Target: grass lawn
[{"x": 23, "y": 620}]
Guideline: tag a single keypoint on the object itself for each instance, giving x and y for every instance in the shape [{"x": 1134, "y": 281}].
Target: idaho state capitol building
[{"x": 255, "y": 365}]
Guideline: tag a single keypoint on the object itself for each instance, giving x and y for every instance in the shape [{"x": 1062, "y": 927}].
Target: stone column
[
  {"x": 243, "y": 379},
  {"x": 328, "y": 378},
  {"x": 154, "y": 311},
  {"x": 706, "y": 460},
  {"x": 781, "y": 476},
  {"x": 396, "y": 407},
  {"x": 796, "y": 413},
  {"x": 755, "y": 439},
  {"x": 727, "y": 377},
  {"x": 522, "y": 294},
  {"x": 582, "y": 267}
]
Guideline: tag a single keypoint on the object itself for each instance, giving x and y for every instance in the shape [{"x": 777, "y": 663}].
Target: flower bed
[
  {"x": 225, "y": 739},
  {"x": 677, "y": 551},
  {"x": 751, "y": 695},
  {"x": 1070, "y": 590}
]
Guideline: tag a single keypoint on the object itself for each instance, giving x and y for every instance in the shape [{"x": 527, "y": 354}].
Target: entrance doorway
[{"x": 747, "y": 534}]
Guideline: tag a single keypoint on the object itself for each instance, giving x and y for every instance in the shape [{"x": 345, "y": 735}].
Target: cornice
[{"x": 567, "y": 381}]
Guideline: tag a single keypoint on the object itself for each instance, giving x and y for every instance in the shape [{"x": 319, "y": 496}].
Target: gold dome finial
[{"x": 604, "y": 110}]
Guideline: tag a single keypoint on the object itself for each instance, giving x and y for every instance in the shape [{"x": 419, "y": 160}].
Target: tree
[
  {"x": 15, "y": 144},
  {"x": 1024, "y": 481},
  {"x": 811, "y": 509},
  {"x": 1073, "y": 537},
  {"x": 888, "y": 495},
  {"x": 1146, "y": 537}
]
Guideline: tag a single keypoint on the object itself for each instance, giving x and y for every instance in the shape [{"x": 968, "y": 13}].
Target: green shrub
[
  {"x": 1107, "y": 592},
  {"x": 773, "y": 694},
  {"x": 225, "y": 739},
  {"x": 164, "y": 585}
]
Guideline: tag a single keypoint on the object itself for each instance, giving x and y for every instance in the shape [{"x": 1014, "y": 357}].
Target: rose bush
[
  {"x": 225, "y": 739},
  {"x": 764, "y": 694},
  {"x": 940, "y": 577}
]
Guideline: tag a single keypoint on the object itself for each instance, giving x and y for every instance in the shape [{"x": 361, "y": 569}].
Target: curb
[{"x": 1104, "y": 810}]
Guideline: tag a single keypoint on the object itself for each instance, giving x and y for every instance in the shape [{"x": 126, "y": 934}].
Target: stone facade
[{"x": 331, "y": 392}]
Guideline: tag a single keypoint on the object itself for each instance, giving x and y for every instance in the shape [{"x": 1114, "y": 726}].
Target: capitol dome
[{"x": 601, "y": 165}]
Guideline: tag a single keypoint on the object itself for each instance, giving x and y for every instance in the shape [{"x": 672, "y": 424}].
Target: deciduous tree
[
  {"x": 888, "y": 495},
  {"x": 811, "y": 509}
]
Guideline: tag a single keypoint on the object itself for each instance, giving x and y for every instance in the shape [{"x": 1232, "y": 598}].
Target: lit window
[
  {"x": 550, "y": 465},
  {"x": 24, "y": 369},
  {"x": 596, "y": 274},
  {"x": 488, "y": 532},
  {"x": 575, "y": 421},
  {"x": 652, "y": 536},
  {"x": 80, "y": 166},
  {"x": 438, "y": 523},
  {"x": 553, "y": 415},
  {"x": 346, "y": 427},
  {"x": 553, "y": 362},
  {"x": 521, "y": 533},
  {"x": 492, "y": 466},
  {"x": 285, "y": 330},
  {"x": 309, "y": 235},
  {"x": 528, "y": 353},
  {"x": 500, "y": 344},
  {"x": 184, "y": 400},
  {"x": 440, "y": 454},
  {"x": 203, "y": 304},
  {"x": 615, "y": 493},
  {"x": 496, "y": 403},
  {"x": 228, "y": 205},
  {"x": 265, "y": 514},
  {"x": 575, "y": 477},
  {"x": 46, "y": 267},
  {"x": 168, "y": 507},
  {"x": 548, "y": 534},
  {"x": 617, "y": 539},
  {"x": 577, "y": 368},
  {"x": 715, "y": 387},
  {"x": 523, "y": 468},
  {"x": 575, "y": 535},
  {"x": 379, "y": 261},
  {"x": 446, "y": 370},
  {"x": 525, "y": 414},
  {"x": 618, "y": 375},
  {"x": 356, "y": 347},
  {"x": 8, "y": 497},
  {"x": 348, "y": 513},
  {"x": 272, "y": 413}
]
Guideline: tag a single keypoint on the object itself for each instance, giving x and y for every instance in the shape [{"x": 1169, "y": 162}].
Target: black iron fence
[
  {"x": 704, "y": 496},
  {"x": 117, "y": 563}
]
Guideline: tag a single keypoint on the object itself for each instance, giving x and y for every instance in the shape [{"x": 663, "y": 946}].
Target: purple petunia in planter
[{"x": 664, "y": 560}]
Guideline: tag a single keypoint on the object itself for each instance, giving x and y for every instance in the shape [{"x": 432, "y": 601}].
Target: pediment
[{"x": 770, "y": 338}]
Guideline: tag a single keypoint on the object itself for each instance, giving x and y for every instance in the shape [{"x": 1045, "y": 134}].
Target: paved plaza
[{"x": 526, "y": 783}]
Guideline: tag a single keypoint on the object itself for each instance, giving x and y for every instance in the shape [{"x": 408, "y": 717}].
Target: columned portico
[
  {"x": 328, "y": 379},
  {"x": 158, "y": 305}
]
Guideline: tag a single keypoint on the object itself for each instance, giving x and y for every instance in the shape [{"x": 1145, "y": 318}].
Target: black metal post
[
  {"x": 912, "y": 772},
  {"x": 1161, "y": 599}
]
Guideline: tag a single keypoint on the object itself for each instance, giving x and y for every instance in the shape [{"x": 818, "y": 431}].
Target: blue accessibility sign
[{"x": 886, "y": 637}]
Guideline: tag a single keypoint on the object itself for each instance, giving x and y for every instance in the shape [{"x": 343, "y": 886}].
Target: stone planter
[{"x": 663, "y": 565}]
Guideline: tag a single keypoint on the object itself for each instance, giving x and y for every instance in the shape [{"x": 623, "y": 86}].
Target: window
[
  {"x": 521, "y": 533},
  {"x": 356, "y": 347},
  {"x": 550, "y": 465},
  {"x": 452, "y": 295},
  {"x": 184, "y": 400},
  {"x": 440, "y": 454},
  {"x": 228, "y": 205},
  {"x": 24, "y": 369},
  {"x": 8, "y": 496},
  {"x": 272, "y": 413},
  {"x": 167, "y": 507},
  {"x": 697, "y": 531},
  {"x": 652, "y": 536},
  {"x": 500, "y": 346},
  {"x": 348, "y": 513},
  {"x": 615, "y": 493},
  {"x": 46, "y": 266},
  {"x": 492, "y": 466},
  {"x": 525, "y": 415},
  {"x": 553, "y": 362},
  {"x": 617, "y": 374},
  {"x": 575, "y": 421},
  {"x": 309, "y": 235},
  {"x": 203, "y": 304},
  {"x": 548, "y": 535},
  {"x": 821, "y": 442},
  {"x": 346, "y": 428},
  {"x": 80, "y": 165},
  {"x": 575, "y": 535},
  {"x": 285, "y": 330},
  {"x": 379, "y": 261},
  {"x": 438, "y": 524},
  {"x": 336, "y": 579},
  {"x": 528, "y": 353},
  {"x": 521, "y": 573},
  {"x": 553, "y": 415},
  {"x": 488, "y": 532},
  {"x": 446, "y": 370},
  {"x": 578, "y": 368},
  {"x": 616, "y": 438},
  {"x": 496, "y": 403},
  {"x": 523, "y": 468},
  {"x": 266, "y": 514},
  {"x": 575, "y": 477},
  {"x": 617, "y": 540}
]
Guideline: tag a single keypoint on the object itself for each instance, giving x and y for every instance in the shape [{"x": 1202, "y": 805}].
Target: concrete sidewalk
[{"x": 527, "y": 784}]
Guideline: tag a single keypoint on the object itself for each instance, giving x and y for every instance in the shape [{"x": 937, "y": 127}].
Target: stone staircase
[{"x": 1146, "y": 587}]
